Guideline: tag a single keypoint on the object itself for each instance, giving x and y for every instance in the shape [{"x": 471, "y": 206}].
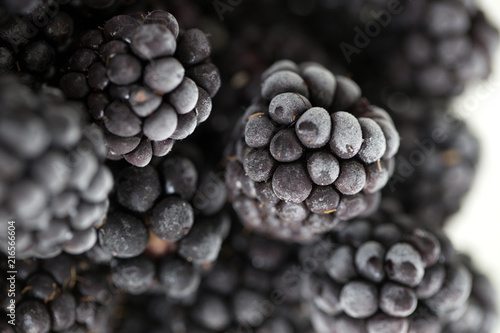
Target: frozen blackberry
[
  {"x": 436, "y": 163},
  {"x": 311, "y": 152},
  {"x": 53, "y": 180},
  {"x": 246, "y": 291},
  {"x": 166, "y": 225},
  {"x": 385, "y": 274},
  {"x": 429, "y": 47},
  {"x": 34, "y": 34},
  {"x": 253, "y": 288},
  {"x": 63, "y": 294},
  {"x": 480, "y": 314},
  {"x": 145, "y": 81}
]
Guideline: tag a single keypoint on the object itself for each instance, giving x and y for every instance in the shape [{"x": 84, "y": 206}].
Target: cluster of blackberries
[{"x": 297, "y": 206}]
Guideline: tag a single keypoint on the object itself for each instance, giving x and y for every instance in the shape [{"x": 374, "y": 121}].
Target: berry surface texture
[{"x": 249, "y": 166}]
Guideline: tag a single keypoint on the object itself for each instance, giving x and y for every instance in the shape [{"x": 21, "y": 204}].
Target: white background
[{"x": 476, "y": 228}]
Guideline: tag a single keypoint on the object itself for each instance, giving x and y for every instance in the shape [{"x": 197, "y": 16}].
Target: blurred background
[{"x": 476, "y": 228}]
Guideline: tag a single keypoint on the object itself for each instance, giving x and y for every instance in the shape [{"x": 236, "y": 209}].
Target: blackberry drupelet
[
  {"x": 436, "y": 163},
  {"x": 53, "y": 182},
  {"x": 423, "y": 48},
  {"x": 145, "y": 81},
  {"x": 166, "y": 225},
  {"x": 63, "y": 294},
  {"x": 386, "y": 274},
  {"x": 309, "y": 153},
  {"x": 33, "y": 36}
]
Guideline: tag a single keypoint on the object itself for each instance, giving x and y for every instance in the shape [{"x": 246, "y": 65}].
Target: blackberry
[
  {"x": 309, "y": 153},
  {"x": 481, "y": 313},
  {"x": 244, "y": 292},
  {"x": 34, "y": 35},
  {"x": 165, "y": 226},
  {"x": 145, "y": 81},
  {"x": 436, "y": 163},
  {"x": 253, "y": 288},
  {"x": 386, "y": 274},
  {"x": 54, "y": 184},
  {"x": 63, "y": 294},
  {"x": 37, "y": 36},
  {"x": 429, "y": 47}
]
